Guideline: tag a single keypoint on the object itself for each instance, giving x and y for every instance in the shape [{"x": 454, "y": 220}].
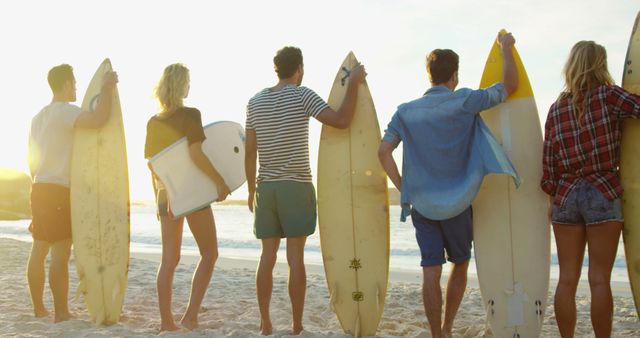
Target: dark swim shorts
[
  {"x": 284, "y": 209},
  {"x": 50, "y": 212}
]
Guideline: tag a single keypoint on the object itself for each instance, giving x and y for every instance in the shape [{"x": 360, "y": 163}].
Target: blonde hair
[
  {"x": 585, "y": 70},
  {"x": 172, "y": 87}
]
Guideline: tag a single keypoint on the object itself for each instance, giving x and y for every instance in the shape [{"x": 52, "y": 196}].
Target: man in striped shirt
[{"x": 283, "y": 200}]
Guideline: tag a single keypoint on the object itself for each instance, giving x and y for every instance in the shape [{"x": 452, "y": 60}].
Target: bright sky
[{"x": 229, "y": 46}]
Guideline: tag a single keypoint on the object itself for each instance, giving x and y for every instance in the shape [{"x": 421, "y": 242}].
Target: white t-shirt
[{"x": 51, "y": 142}]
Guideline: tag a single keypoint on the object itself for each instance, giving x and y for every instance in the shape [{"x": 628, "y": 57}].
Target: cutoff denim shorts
[{"x": 587, "y": 205}]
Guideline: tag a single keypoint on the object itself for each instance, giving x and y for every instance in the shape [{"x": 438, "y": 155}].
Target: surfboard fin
[
  {"x": 82, "y": 285},
  {"x": 379, "y": 299},
  {"x": 80, "y": 290},
  {"x": 123, "y": 283},
  {"x": 333, "y": 296},
  {"x": 100, "y": 318},
  {"x": 539, "y": 312},
  {"x": 489, "y": 312}
]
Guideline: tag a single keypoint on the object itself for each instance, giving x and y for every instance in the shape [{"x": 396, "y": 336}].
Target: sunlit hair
[
  {"x": 441, "y": 64},
  {"x": 172, "y": 87},
  {"x": 58, "y": 76},
  {"x": 287, "y": 61},
  {"x": 585, "y": 70}
]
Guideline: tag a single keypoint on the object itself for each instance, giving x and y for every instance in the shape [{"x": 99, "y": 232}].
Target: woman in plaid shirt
[{"x": 580, "y": 174}]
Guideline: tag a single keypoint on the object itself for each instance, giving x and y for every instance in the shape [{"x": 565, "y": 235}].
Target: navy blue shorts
[
  {"x": 586, "y": 204},
  {"x": 453, "y": 235}
]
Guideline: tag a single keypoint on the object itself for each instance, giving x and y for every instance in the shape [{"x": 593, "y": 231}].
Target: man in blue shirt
[{"x": 447, "y": 150}]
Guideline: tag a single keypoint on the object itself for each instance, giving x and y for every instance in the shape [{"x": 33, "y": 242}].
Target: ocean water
[{"x": 236, "y": 239}]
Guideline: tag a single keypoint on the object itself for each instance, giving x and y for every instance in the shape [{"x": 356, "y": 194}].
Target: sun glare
[{"x": 9, "y": 174}]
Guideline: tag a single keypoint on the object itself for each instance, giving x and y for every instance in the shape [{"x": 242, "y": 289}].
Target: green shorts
[{"x": 284, "y": 209}]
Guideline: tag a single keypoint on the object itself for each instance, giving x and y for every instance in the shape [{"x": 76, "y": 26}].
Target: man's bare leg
[
  {"x": 264, "y": 282},
  {"x": 456, "y": 286},
  {"x": 59, "y": 279},
  {"x": 36, "y": 276}
]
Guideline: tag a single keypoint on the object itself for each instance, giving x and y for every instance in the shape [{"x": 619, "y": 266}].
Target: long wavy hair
[
  {"x": 585, "y": 70},
  {"x": 172, "y": 87}
]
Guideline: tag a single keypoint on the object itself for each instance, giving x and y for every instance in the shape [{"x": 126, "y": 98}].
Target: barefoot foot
[
  {"x": 169, "y": 327},
  {"x": 266, "y": 329},
  {"x": 189, "y": 324},
  {"x": 39, "y": 313},
  {"x": 62, "y": 317},
  {"x": 296, "y": 330}
]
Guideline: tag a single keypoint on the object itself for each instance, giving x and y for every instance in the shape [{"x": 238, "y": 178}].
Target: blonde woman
[
  {"x": 173, "y": 122},
  {"x": 580, "y": 174}
]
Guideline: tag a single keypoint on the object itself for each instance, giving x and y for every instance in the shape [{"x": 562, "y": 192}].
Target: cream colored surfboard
[
  {"x": 630, "y": 167},
  {"x": 353, "y": 212},
  {"x": 100, "y": 209},
  {"x": 511, "y": 230}
]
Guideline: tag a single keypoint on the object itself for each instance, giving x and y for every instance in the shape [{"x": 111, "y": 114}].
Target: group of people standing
[{"x": 580, "y": 161}]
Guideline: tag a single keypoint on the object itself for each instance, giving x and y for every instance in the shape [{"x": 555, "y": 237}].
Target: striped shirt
[
  {"x": 280, "y": 120},
  {"x": 589, "y": 151}
]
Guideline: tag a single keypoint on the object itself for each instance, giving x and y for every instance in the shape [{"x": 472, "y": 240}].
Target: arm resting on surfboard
[
  {"x": 250, "y": 158},
  {"x": 509, "y": 70},
  {"x": 202, "y": 162},
  {"x": 341, "y": 119},
  {"x": 389, "y": 164},
  {"x": 100, "y": 115}
]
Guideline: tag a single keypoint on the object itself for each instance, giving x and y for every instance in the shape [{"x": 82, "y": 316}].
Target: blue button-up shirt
[{"x": 447, "y": 149}]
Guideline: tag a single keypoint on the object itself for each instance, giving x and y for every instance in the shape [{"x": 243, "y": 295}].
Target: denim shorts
[
  {"x": 453, "y": 235},
  {"x": 586, "y": 204}
]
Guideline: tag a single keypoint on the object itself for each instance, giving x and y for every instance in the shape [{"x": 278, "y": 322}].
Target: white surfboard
[
  {"x": 100, "y": 209},
  {"x": 353, "y": 212},
  {"x": 630, "y": 168},
  {"x": 510, "y": 226},
  {"x": 188, "y": 188}
]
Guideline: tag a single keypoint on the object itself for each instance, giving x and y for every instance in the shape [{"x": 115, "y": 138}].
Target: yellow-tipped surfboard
[
  {"x": 353, "y": 212},
  {"x": 511, "y": 229},
  {"x": 630, "y": 167},
  {"x": 100, "y": 209}
]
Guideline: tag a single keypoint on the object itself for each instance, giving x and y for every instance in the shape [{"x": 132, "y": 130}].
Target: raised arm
[
  {"x": 100, "y": 116},
  {"x": 341, "y": 119},
  {"x": 509, "y": 70}
]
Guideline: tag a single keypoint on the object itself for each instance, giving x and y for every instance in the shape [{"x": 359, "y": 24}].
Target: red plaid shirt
[{"x": 590, "y": 151}]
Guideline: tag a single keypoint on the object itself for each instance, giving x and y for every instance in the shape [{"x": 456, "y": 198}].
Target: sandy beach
[{"x": 230, "y": 308}]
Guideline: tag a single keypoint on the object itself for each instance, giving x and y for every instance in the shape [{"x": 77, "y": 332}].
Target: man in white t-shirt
[{"x": 50, "y": 145}]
